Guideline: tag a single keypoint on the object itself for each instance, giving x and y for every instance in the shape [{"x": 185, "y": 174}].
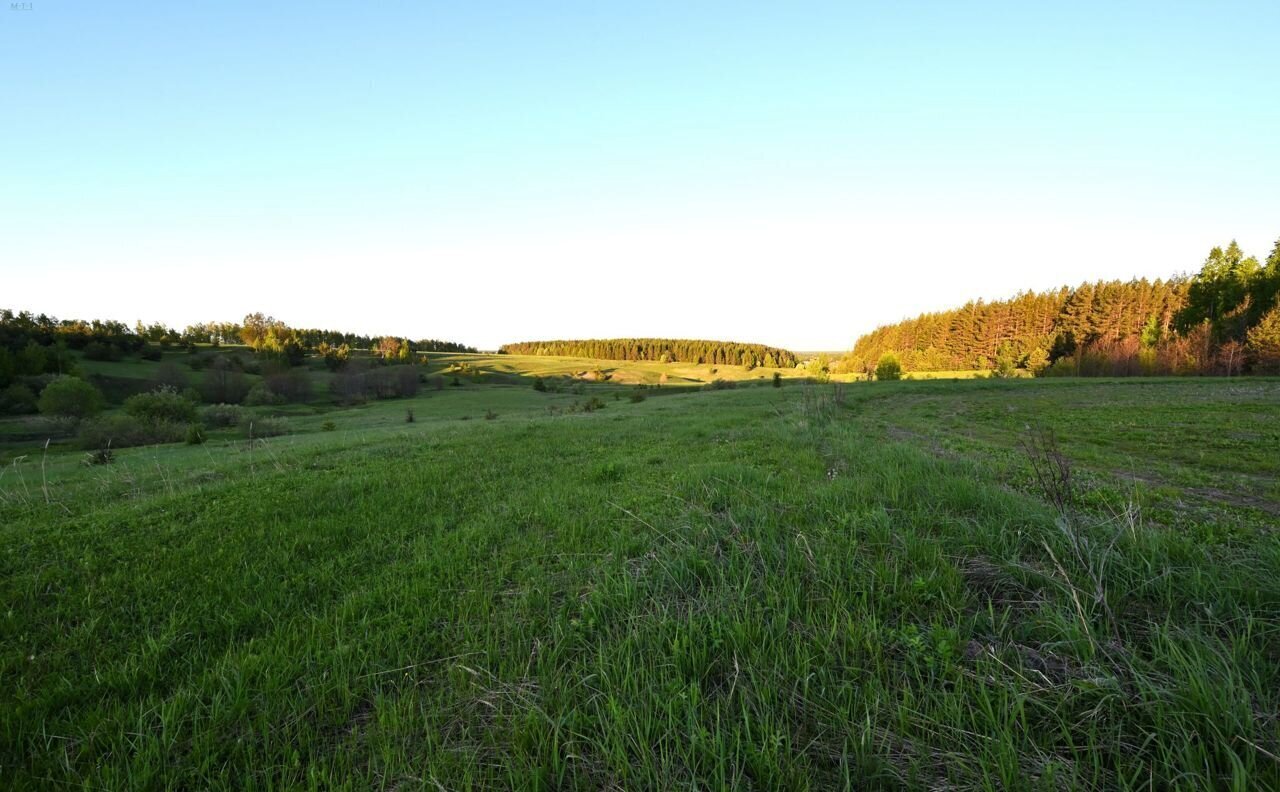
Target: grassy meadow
[{"x": 861, "y": 586}]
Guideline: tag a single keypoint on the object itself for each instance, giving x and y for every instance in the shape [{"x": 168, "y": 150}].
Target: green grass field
[{"x": 808, "y": 587}]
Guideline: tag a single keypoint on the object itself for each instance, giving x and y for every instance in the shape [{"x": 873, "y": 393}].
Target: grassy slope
[
  {"x": 727, "y": 589},
  {"x": 625, "y": 372}
]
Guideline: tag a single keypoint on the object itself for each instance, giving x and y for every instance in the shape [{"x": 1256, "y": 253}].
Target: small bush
[
  {"x": 122, "y": 430},
  {"x": 539, "y": 385},
  {"x": 162, "y": 404},
  {"x": 195, "y": 434},
  {"x": 96, "y": 350},
  {"x": 290, "y": 385},
  {"x": 489, "y": 415},
  {"x": 404, "y": 381},
  {"x": 170, "y": 375},
  {"x": 221, "y": 415},
  {"x": 70, "y": 398},
  {"x": 150, "y": 352},
  {"x": 408, "y": 415},
  {"x": 262, "y": 426},
  {"x": 723, "y": 384},
  {"x": 889, "y": 368},
  {"x": 593, "y": 404},
  {"x": 18, "y": 399},
  {"x": 637, "y": 396},
  {"x": 260, "y": 396},
  {"x": 224, "y": 383},
  {"x": 328, "y": 426},
  {"x": 777, "y": 380}
]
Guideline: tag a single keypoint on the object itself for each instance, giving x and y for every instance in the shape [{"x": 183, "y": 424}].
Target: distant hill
[{"x": 669, "y": 350}]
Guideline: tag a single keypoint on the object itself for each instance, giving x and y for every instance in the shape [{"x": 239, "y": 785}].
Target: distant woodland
[
  {"x": 32, "y": 344},
  {"x": 663, "y": 350},
  {"x": 1222, "y": 320}
]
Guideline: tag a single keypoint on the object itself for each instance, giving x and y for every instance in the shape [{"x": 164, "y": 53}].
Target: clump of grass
[
  {"x": 637, "y": 396},
  {"x": 100, "y": 456},
  {"x": 195, "y": 434},
  {"x": 490, "y": 415},
  {"x": 328, "y": 426},
  {"x": 408, "y": 415}
]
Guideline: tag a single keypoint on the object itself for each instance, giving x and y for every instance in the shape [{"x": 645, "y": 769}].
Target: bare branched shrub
[{"x": 1050, "y": 468}]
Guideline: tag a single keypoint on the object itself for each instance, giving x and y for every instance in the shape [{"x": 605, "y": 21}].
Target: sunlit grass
[{"x": 751, "y": 588}]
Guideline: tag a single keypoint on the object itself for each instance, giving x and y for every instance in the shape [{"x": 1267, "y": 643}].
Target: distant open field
[
  {"x": 621, "y": 372},
  {"x": 805, "y": 587}
]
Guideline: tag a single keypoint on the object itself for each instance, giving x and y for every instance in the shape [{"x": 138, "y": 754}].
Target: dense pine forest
[
  {"x": 1222, "y": 320},
  {"x": 665, "y": 350}
]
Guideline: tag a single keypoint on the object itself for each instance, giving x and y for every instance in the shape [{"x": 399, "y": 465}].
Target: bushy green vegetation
[
  {"x": 70, "y": 398},
  {"x": 813, "y": 587},
  {"x": 888, "y": 368}
]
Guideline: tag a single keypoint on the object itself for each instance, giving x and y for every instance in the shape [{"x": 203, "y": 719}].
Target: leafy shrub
[
  {"x": 292, "y": 385},
  {"x": 404, "y": 380},
  {"x": 150, "y": 352},
  {"x": 220, "y": 415},
  {"x": 70, "y": 398},
  {"x": 122, "y": 430},
  {"x": 162, "y": 404},
  {"x": 224, "y": 383},
  {"x": 195, "y": 434},
  {"x": 1037, "y": 361},
  {"x": 260, "y": 395},
  {"x": 408, "y": 415},
  {"x": 17, "y": 399},
  {"x": 96, "y": 350},
  {"x": 328, "y": 426},
  {"x": 200, "y": 361},
  {"x": 489, "y": 415},
  {"x": 637, "y": 396},
  {"x": 889, "y": 368},
  {"x": 723, "y": 384},
  {"x": 777, "y": 379},
  {"x": 263, "y": 426},
  {"x": 593, "y": 404},
  {"x": 539, "y": 385}
]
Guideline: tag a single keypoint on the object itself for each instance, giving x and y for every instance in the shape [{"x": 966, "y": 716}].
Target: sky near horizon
[{"x": 786, "y": 173}]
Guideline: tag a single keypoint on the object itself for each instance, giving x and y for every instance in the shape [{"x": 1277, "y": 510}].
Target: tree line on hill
[
  {"x": 660, "y": 350},
  {"x": 1225, "y": 319},
  {"x": 215, "y": 333},
  {"x": 33, "y": 344},
  {"x": 36, "y": 350}
]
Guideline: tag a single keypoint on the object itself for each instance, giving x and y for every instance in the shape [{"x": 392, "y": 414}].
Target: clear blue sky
[{"x": 791, "y": 173}]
